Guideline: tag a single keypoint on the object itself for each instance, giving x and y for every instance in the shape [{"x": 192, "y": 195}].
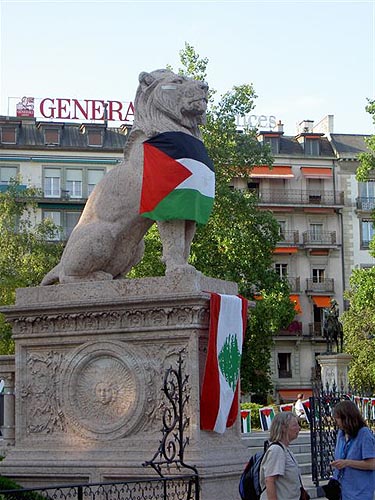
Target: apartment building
[
  {"x": 324, "y": 214},
  {"x": 65, "y": 160}
]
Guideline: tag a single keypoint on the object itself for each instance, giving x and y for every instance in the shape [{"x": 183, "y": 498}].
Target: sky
[{"x": 305, "y": 59}]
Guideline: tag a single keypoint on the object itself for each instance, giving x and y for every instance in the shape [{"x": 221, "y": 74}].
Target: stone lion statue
[{"x": 108, "y": 239}]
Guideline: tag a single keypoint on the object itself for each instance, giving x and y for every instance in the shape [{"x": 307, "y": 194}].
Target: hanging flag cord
[{"x": 172, "y": 445}]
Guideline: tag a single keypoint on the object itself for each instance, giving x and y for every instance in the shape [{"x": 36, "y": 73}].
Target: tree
[
  {"x": 26, "y": 253},
  {"x": 359, "y": 320},
  {"x": 237, "y": 242},
  {"x": 359, "y": 329}
]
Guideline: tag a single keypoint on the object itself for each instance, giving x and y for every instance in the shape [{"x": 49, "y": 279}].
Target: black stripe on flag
[{"x": 180, "y": 145}]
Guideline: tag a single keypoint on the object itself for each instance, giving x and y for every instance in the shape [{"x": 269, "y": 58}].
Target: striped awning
[
  {"x": 276, "y": 172},
  {"x": 321, "y": 300},
  {"x": 297, "y": 303},
  {"x": 316, "y": 172}
]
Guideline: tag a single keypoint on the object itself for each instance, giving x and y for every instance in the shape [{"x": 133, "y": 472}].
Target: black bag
[
  {"x": 249, "y": 486},
  {"x": 332, "y": 490},
  {"x": 304, "y": 495}
]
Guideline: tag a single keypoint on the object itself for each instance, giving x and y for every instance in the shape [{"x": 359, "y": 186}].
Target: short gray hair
[{"x": 280, "y": 424}]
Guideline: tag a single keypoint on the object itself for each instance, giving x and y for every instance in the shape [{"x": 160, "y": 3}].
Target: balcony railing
[
  {"x": 364, "y": 203},
  {"x": 323, "y": 285},
  {"x": 301, "y": 197},
  {"x": 316, "y": 329},
  {"x": 288, "y": 237},
  {"x": 294, "y": 329},
  {"x": 319, "y": 238}
]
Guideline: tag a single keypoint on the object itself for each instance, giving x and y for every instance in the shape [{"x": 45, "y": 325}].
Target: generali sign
[{"x": 62, "y": 108}]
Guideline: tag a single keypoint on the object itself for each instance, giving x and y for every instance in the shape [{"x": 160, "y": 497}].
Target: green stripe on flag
[{"x": 183, "y": 204}]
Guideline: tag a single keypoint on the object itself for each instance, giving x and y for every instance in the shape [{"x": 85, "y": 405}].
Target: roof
[
  {"x": 348, "y": 146},
  {"x": 290, "y": 146},
  {"x": 31, "y": 136}
]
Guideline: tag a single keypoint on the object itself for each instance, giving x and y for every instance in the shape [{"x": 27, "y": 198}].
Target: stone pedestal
[
  {"x": 89, "y": 367},
  {"x": 334, "y": 370}
]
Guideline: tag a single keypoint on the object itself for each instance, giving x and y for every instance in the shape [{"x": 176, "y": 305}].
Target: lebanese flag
[
  {"x": 178, "y": 178},
  {"x": 219, "y": 397}
]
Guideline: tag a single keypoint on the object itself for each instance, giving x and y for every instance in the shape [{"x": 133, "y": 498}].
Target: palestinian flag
[
  {"x": 178, "y": 178},
  {"x": 245, "y": 421},
  {"x": 219, "y": 397},
  {"x": 266, "y": 415}
]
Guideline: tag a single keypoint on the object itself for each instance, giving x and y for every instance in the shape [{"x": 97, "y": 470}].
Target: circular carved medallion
[{"x": 103, "y": 393}]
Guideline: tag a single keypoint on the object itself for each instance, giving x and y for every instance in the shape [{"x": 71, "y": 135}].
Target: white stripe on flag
[
  {"x": 202, "y": 178},
  {"x": 229, "y": 323}
]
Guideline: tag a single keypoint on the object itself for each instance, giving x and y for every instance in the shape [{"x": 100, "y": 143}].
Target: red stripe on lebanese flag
[{"x": 219, "y": 398}]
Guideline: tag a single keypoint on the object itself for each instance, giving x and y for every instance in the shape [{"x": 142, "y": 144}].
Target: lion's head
[{"x": 168, "y": 102}]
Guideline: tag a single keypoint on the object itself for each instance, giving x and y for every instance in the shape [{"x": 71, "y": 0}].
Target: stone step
[{"x": 300, "y": 447}]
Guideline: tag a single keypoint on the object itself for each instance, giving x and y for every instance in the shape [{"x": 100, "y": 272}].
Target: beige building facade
[{"x": 323, "y": 212}]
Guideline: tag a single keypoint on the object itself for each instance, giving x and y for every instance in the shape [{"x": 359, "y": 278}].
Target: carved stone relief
[
  {"x": 112, "y": 320},
  {"x": 39, "y": 393},
  {"x": 103, "y": 390}
]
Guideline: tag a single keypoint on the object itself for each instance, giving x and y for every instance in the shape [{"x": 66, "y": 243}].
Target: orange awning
[
  {"x": 297, "y": 303},
  {"x": 291, "y": 394},
  {"x": 313, "y": 172},
  {"x": 321, "y": 300},
  {"x": 281, "y": 172},
  {"x": 286, "y": 250}
]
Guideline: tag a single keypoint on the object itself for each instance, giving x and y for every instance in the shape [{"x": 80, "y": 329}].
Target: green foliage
[
  {"x": 359, "y": 320},
  {"x": 254, "y": 415},
  {"x": 25, "y": 252},
  {"x": 359, "y": 329},
  {"x": 8, "y": 484},
  {"x": 367, "y": 160}
]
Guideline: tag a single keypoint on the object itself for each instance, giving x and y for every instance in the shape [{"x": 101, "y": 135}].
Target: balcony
[
  {"x": 366, "y": 204},
  {"x": 294, "y": 329},
  {"x": 324, "y": 285},
  {"x": 301, "y": 197},
  {"x": 320, "y": 238},
  {"x": 316, "y": 329},
  {"x": 288, "y": 238}
]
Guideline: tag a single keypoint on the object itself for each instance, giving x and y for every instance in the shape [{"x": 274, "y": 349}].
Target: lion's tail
[{"x": 51, "y": 277}]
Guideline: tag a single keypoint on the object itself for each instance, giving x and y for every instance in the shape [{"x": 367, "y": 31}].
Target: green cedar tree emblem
[{"x": 229, "y": 360}]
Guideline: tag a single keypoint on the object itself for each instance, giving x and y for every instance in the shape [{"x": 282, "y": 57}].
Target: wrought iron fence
[
  {"x": 168, "y": 461},
  {"x": 157, "y": 488},
  {"x": 323, "y": 426}
]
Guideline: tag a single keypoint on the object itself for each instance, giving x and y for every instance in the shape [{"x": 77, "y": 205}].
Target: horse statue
[{"x": 332, "y": 328}]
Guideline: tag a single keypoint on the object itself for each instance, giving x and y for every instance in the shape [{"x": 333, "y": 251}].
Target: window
[
  {"x": 282, "y": 228},
  {"x": 312, "y": 147},
  {"x": 55, "y": 217},
  {"x": 51, "y": 136},
  {"x": 8, "y": 135},
  {"x": 284, "y": 364},
  {"x": 367, "y": 232},
  {"x": 318, "y": 275},
  {"x": 253, "y": 187},
  {"x": 6, "y": 174},
  {"x": 52, "y": 182},
  {"x": 316, "y": 232},
  {"x": 366, "y": 192},
  {"x": 95, "y": 138},
  {"x": 274, "y": 143},
  {"x": 71, "y": 221},
  {"x": 93, "y": 177},
  {"x": 281, "y": 270},
  {"x": 74, "y": 183},
  {"x": 65, "y": 220}
]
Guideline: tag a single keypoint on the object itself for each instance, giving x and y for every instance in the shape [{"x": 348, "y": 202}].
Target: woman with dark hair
[
  {"x": 354, "y": 462},
  {"x": 279, "y": 474}
]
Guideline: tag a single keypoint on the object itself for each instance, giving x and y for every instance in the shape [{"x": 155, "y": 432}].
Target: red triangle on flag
[{"x": 161, "y": 175}]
